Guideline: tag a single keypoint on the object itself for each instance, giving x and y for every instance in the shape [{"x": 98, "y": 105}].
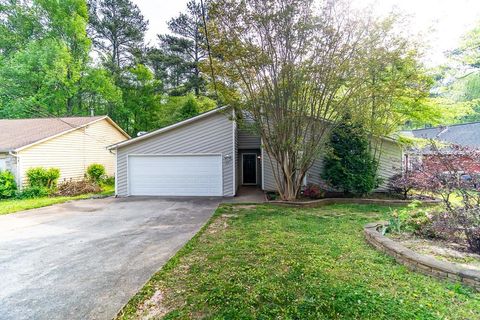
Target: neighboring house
[
  {"x": 69, "y": 144},
  {"x": 465, "y": 135},
  {"x": 208, "y": 155}
]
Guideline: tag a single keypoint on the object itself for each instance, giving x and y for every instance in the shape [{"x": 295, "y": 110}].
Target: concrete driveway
[{"x": 86, "y": 259}]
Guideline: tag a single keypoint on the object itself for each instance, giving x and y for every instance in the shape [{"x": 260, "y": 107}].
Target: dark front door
[{"x": 249, "y": 168}]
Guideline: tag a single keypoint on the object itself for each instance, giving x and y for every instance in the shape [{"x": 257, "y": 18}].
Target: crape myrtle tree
[{"x": 296, "y": 66}]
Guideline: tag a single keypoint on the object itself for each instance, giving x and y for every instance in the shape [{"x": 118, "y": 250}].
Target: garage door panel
[{"x": 182, "y": 175}]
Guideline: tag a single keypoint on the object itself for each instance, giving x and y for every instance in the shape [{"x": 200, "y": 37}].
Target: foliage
[
  {"x": 449, "y": 172},
  {"x": 42, "y": 73},
  {"x": 108, "y": 181},
  {"x": 396, "y": 85},
  {"x": 180, "y": 55},
  {"x": 8, "y": 186},
  {"x": 96, "y": 172},
  {"x": 43, "y": 178},
  {"x": 117, "y": 28},
  {"x": 349, "y": 164},
  {"x": 75, "y": 188},
  {"x": 141, "y": 97},
  {"x": 313, "y": 191},
  {"x": 270, "y": 262},
  {"x": 282, "y": 63},
  {"x": 49, "y": 67},
  {"x": 31, "y": 192},
  {"x": 404, "y": 183},
  {"x": 174, "y": 109},
  {"x": 413, "y": 219}
]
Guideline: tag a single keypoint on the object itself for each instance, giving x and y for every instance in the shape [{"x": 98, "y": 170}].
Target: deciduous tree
[{"x": 296, "y": 68}]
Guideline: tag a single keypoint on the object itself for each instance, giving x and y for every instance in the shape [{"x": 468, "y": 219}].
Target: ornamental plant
[
  {"x": 450, "y": 173},
  {"x": 8, "y": 186},
  {"x": 95, "y": 172},
  {"x": 349, "y": 166}
]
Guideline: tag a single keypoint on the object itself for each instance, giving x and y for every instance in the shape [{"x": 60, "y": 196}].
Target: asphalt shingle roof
[
  {"x": 466, "y": 134},
  {"x": 17, "y": 133}
]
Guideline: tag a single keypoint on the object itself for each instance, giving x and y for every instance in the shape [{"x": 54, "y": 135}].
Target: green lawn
[
  {"x": 285, "y": 263},
  {"x": 14, "y": 205}
]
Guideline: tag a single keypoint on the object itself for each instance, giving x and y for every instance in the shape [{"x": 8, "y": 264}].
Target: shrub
[
  {"x": 313, "y": 191},
  {"x": 108, "y": 181},
  {"x": 43, "y": 178},
  {"x": 449, "y": 173},
  {"x": 75, "y": 188},
  {"x": 31, "y": 192},
  {"x": 95, "y": 172},
  {"x": 413, "y": 219},
  {"x": 8, "y": 186},
  {"x": 349, "y": 166},
  {"x": 401, "y": 184}
]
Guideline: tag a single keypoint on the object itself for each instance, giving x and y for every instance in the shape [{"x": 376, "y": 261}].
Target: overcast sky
[{"x": 443, "y": 21}]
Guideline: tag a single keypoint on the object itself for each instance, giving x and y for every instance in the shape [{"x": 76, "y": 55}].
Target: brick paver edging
[{"x": 417, "y": 262}]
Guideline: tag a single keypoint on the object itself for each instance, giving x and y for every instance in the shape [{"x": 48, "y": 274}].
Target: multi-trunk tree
[{"x": 296, "y": 68}]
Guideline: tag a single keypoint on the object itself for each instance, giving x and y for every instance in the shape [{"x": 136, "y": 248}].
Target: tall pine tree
[
  {"x": 117, "y": 28},
  {"x": 182, "y": 52}
]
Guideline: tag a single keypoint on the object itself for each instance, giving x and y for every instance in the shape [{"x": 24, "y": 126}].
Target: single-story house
[
  {"x": 208, "y": 155},
  {"x": 69, "y": 144}
]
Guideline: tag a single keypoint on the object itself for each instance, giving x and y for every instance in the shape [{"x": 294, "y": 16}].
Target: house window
[{"x": 3, "y": 164}]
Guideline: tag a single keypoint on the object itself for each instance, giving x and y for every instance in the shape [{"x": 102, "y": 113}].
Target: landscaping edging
[
  {"x": 417, "y": 262},
  {"x": 328, "y": 201}
]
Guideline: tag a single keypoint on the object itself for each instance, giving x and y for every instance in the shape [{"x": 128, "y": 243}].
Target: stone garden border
[{"x": 421, "y": 263}]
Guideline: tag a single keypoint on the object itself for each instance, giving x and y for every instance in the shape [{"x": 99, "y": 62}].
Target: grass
[
  {"x": 287, "y": 263},
  {"x": 14, "y": 205}
]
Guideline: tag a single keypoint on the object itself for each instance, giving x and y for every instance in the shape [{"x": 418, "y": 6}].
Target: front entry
[{"x": 249, "y": 168}]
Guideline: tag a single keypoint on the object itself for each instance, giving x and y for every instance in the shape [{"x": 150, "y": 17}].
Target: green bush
[
  {"x": 31, "y": 192},
  {"x": 43, "y": 178},
  {"x": 95, "y": 172},
  {"x": 108, "y": 181},
  {"x": 413, "y": 219},
  {"x": 8, "y": 186},
  {"x": 348, "y": 165}
]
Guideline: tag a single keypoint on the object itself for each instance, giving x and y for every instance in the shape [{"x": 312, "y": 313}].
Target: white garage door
[{"x": 180, "y": 175}]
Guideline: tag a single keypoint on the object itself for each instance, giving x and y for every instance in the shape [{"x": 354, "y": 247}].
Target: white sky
[{"x": 443, "y": 22}]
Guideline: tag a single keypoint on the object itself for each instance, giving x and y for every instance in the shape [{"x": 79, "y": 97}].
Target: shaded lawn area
[
  {"x": 286, "y": 263},
  {"x": 14, "y": 205}
]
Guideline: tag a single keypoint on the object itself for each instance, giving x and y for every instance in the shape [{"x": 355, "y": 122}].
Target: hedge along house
[
  {"x": 209, "y": 155},
  {"x": 69, "y": 144}
]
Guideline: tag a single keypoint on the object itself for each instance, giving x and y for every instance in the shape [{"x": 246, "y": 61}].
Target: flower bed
[{"x": 422, "y": 263}]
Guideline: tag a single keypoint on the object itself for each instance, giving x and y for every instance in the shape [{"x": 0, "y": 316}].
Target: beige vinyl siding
[
  {"x": 390, "y": 162},
  {"x": 212, "y": 134},
  {"x": 74, "y": 151}
]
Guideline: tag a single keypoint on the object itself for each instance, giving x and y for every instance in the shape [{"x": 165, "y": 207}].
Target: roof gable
[
  {"x": 168, "y": 128},
  {"x": 19, "y": 133}
]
